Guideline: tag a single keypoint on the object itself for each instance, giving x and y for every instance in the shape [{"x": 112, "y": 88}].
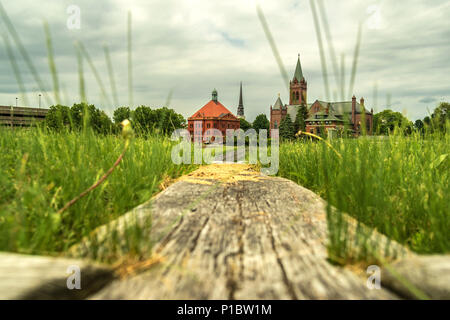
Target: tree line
[
  {"x": 386, "y": 121},
  {"x": 145, "y": 120}
]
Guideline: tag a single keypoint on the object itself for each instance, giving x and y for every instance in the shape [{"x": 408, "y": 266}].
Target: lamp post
[
  {"x": 39, "y": 100},
  {"x": 16, "y": 101}
]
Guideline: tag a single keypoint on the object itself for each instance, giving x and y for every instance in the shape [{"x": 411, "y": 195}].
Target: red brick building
[
  {"x": 213, "y": 115},
  {"x": 323, "y": 116},
  {"x": 347, "y": 115}
]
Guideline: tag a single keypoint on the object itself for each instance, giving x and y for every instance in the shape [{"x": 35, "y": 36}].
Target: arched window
[
  {"x": 297, "y": 95},
  {"x": 275, "y": 125}
]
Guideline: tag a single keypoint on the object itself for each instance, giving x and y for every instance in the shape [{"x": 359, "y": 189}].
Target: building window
[
  {"x": 275, "y": 125},
  {"x": 297, "y": 95},
  {"x": 208, "y": 125},
  {"x": 191, "y": 125}
]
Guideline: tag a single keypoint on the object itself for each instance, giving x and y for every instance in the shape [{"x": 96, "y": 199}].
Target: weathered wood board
[
  {"x": 223, "y": 232},
  {"x": 37, "y": 277},
  {"x": 227, "y": 232},
  {"x": 429, "y": 274}
]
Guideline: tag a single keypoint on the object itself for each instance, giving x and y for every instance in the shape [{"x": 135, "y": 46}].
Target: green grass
[
  {"x": 40, "y": 172},
  {"x": 399, "y": 185}
]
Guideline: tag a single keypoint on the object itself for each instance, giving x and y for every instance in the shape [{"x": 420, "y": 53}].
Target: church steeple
[
  {"x": 298, "y": 86},
  {"x": 298, "y": 74},
  {"x": 240, "y": 110}
]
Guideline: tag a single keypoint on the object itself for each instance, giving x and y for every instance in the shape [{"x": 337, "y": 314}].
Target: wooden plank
[
  {"x": 37, "y": 277},
  {"x": 227, "y": 232},
  {"x": 429, "y": 274}
]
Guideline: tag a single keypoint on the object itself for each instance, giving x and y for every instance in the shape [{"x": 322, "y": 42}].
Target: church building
[
  {"x": 323, "y": 117},
  {"x": 213, "y": 115}
]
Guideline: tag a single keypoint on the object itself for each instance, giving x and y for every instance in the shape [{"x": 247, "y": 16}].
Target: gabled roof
[
  {"x": 212, "y": 109},
  {"x": 328, "y": 117},
  {"x": 341, "y": 108}
]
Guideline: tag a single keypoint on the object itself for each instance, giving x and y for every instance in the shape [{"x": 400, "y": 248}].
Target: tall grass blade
[
  {"x": 169, "y": 98},
  {"x": 321, "y": 51},
  {"x": 95, "y": 72},
  {"x": 355, "y": 60},
  {"x": 375, "y": 97},
  {"x": 24, "y": 54},
  {"x": 51, "y": 62},
  {"x": 65, "y": 96},
  {"x": 80, "y": 73},
  {"x": 15, "y": 68},
  {"x": 112, "y": 80},
  {"x": 273, "y": 45},
  {"x": 326, "y": 27},
  {"x": 130, "y": 66},
  {"x": 342, "y": 81}
]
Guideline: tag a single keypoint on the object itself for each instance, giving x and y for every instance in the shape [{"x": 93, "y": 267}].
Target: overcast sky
[{"x": 192, "y": 47}]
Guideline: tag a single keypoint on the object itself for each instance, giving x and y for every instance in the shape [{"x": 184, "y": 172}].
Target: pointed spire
[
  {"x": 278, "y": 104},
  {"x": 240, "y": 111},
  {"x": 298, "y": 70}
]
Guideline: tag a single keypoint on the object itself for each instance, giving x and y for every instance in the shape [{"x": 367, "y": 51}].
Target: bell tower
[{"x": 298, "y": 86}]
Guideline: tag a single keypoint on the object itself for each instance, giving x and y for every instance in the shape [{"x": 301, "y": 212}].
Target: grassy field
[
  {"x": 40, "y": 172},
  {"x": 398, "y": 185}
]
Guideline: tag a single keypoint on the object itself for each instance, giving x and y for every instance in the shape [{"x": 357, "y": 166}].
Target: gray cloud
[
  {"x": 191, "y": 47},
  {"x": 427, "y": 100}
]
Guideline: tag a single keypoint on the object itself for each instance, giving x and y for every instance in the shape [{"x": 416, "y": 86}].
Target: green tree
[
  {"x": 300, "y": 117},
  {"x": 440, "y": 116},
  {"x": 143, "y": 119},
  {"x": 58, "y": 117},
  {"x": 79, "y": 116},
  {"x": 161, "y": 120},
  {"x": 85, "y": 115},
  {"x": 386, "y": 121},
  {"x": 261, "y": 122},
  {"x": 287, "y": 131},
  {"x": 418, "y": 125},
  {"x": 121, "y": 114},
  {"x": 167, "y": 120},
  {"x": 244, "y": 124}
]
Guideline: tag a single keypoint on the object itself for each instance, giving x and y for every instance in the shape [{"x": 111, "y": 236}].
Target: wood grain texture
[{"x": 227, "y": 232}]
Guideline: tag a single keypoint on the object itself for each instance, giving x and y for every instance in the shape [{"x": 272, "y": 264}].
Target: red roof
[{"x": 212, "y": 109}]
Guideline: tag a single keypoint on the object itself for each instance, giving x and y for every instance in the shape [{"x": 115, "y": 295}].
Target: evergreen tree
[
  {"x": 300, "y": 117},
  {"x": 261, "y": 122},
  {"x": 287, "y": 131}
]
